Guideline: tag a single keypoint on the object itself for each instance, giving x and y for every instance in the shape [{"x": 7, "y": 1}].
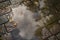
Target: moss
[
  {"x": 38, "y": 32},
  {"x": 50, "y": 25}
]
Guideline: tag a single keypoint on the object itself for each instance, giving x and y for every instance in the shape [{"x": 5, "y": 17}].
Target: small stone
[
  {"x": 45, "y": 33},
  {"x": 58, "y": 36},
  {"x": 55, "y": 29},
  {"x": 59, "y": 21},
  {"x": 53, "y": 38}
]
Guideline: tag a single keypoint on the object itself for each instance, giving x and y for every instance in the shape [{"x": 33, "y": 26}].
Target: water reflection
[{"x": 26, "y": 24}]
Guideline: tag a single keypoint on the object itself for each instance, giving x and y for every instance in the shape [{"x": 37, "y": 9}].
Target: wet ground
[{"x": 26, "y": 26}]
